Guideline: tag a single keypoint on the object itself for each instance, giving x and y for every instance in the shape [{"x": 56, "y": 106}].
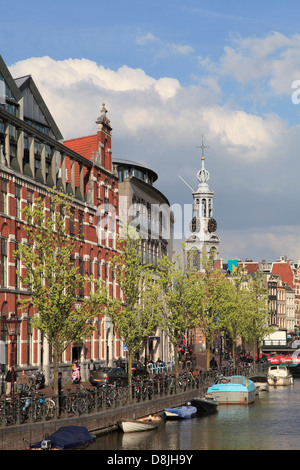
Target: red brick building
[{"x": 32, "y": 160}]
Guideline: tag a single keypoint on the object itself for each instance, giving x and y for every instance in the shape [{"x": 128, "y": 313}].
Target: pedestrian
[
  {"x": 9, "y": 379},
  {"x": 60, "y": 393},
  {"x": 213, "y": 364},
  {"x": 23, "y": 382},
  {"x": 76, "y": 372}
]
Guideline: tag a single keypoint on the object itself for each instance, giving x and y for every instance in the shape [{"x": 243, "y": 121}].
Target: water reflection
[{"x": 270, "y": 423}]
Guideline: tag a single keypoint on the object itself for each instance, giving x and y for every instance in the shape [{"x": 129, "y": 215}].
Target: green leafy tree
[
  {"x": 53, "y": 281},
  {"x": 230, "y": 305},
  {"x": 176, "y": 312},
  {"x": 256, "y": 312},
  {"x": 135, "y": 313},
  {"x": 205, "y": 291},
  {"x": 244, "y": 307}
]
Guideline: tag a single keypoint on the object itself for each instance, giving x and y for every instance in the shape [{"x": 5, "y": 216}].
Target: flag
[{"x": 232, "y": 265}]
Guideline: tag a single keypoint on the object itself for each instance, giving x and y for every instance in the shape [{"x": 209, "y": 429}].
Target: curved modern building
[{"x": 145, "y": 208}]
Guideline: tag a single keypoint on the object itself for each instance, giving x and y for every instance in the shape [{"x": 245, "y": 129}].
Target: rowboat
[
  {"x": 235, "y": 389},
  {"x": 182, "y": 412},
  {"x": 279, "y": 375},
  {"x": 140, "y": 424}
]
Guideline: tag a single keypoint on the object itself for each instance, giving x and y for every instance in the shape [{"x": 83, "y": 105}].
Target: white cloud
[
  {"x": 146, "y": 38},
  {"x": 273, "y": 60},
  {"x": 75, "y": 89},
  {"x": 261, "y": 243},
  {"x": 246, "y": 136},
  {"x": 160, "y": 122}
]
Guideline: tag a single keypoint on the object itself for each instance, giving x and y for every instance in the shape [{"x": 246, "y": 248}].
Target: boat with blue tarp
[
  {"x": 66, "y": 437},
  {"x": 235, "y": 389},
  {"x": 182, "y": 412}
]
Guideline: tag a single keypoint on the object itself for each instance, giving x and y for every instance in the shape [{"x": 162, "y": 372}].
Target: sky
[{"x": 171, "y": 72}]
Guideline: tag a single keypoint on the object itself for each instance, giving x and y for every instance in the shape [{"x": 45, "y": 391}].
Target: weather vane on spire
[
  {"x": 203, "y": 174},
  {"x": 202, "y": 147}
]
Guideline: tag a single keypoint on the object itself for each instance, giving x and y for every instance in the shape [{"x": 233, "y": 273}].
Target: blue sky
[{"x": 169, "y": 72}]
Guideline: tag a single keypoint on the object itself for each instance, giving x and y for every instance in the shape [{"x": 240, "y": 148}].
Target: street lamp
[{"x": 13, "y": 327}]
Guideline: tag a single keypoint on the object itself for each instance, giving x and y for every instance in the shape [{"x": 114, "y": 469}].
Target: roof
[
  {"x": 83, "y": 145},
  {"x": 27, "y": 82},
  {"x": 124, "y": 162},
  {"x": 285, "y": 271}
]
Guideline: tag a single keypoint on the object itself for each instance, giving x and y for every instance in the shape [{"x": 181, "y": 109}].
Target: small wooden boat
[
  {"x": 205, "y": 403},
  {"x": 182, "y": 412},
  {"x": 140, "y": 424},
  {"x": 261, "y": 383},
  {"x": 66, "y": 437},
  {"x": 279, "y": 375},
  {"x": 235, "y": 389}
]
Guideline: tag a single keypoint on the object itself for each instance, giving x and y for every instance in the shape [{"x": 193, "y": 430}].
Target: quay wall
[{"x": 12, "y": 437}]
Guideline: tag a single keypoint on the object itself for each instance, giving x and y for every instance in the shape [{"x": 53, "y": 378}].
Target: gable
[
  {"x": 8, "y": 87},
  {"x": 285, "y": 271},
  {"x": 35, "y": 110}
]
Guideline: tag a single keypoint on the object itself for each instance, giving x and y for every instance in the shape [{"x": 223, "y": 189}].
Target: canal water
[{"x": 271, "y": 423}]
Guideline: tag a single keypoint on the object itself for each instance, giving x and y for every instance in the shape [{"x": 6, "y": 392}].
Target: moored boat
[
  {"x": 140, "y": 424},
  {"x": 66, "y": 437},
  {"x": 205, "y": 403},
  {"x": 261, "y": 383},
  {"x": 279, "y": 375},
  {"x": 182, "y": 412},
  {"x": 235, "y": 389}
]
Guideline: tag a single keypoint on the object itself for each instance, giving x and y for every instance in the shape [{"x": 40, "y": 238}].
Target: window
[
  {"x": 29, "y": 199},
  {"x": 3, "y": 196},
  {"x": 18, "y": 201},
  {"x": 72, "y": 221},
  {"x": 80, "y": 230},
  {"x": 3, "y": 267},
  {"x": 17, "y": 268}
]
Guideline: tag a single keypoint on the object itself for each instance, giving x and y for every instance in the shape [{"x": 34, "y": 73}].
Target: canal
[{"x": 271, "y": 423}]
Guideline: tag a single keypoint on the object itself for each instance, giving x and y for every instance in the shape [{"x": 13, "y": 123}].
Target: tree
[
  {"x": 244, "y": 308},
  {"x": 205, "y": 291},
  {"x": 135, "y": 316},
  {"x": 230, "y": 306},
  {"x": 54, "y": 283},
  {"x": 257, "y": 314},
  {"x": 176, "y": 301}
]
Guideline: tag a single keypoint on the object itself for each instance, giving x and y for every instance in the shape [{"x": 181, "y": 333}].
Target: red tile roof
[
  {"x": 84, "y": 145},
  {"x": 285, "y": 271}
]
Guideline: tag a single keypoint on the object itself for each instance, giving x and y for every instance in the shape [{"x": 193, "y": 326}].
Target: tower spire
[
  {"x": 203, "y": 174},
  {"x": 202, "y": 147}
]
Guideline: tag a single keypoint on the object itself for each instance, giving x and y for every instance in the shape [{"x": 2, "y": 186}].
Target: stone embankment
[{"x": 15, "y": 437}]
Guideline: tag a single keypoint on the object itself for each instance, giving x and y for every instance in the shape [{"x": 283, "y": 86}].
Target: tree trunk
[
  {"x": 56, "y": 365},
  {"x": 129, "y": 366},
  {"x": 175, "y": 346}
]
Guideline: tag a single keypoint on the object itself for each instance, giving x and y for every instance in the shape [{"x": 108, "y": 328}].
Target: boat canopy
[{"x": 67, "y": 437}]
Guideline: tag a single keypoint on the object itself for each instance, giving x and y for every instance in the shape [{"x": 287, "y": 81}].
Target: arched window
[{"x": 203, "y": 207}]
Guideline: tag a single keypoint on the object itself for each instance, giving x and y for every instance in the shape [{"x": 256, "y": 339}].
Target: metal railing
[{"x": 36, "y": 407}]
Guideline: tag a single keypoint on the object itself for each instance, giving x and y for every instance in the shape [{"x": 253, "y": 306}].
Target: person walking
[
  {"x": 9, "y": 379},
  {"x": 23, "y": 382}
]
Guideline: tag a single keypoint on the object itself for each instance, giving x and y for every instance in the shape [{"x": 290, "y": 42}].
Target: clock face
[
  {"x": 212, "y": 225},
  {"x": 195, "y": 225}
]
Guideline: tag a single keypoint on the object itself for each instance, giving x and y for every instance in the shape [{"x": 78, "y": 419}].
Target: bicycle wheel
[
  {"x": 50, "y": 408},
  {"x": 79, "y": 405}
]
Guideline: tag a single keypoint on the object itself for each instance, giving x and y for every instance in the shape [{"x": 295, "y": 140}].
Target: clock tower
[{"x": 203, "y": 225}]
